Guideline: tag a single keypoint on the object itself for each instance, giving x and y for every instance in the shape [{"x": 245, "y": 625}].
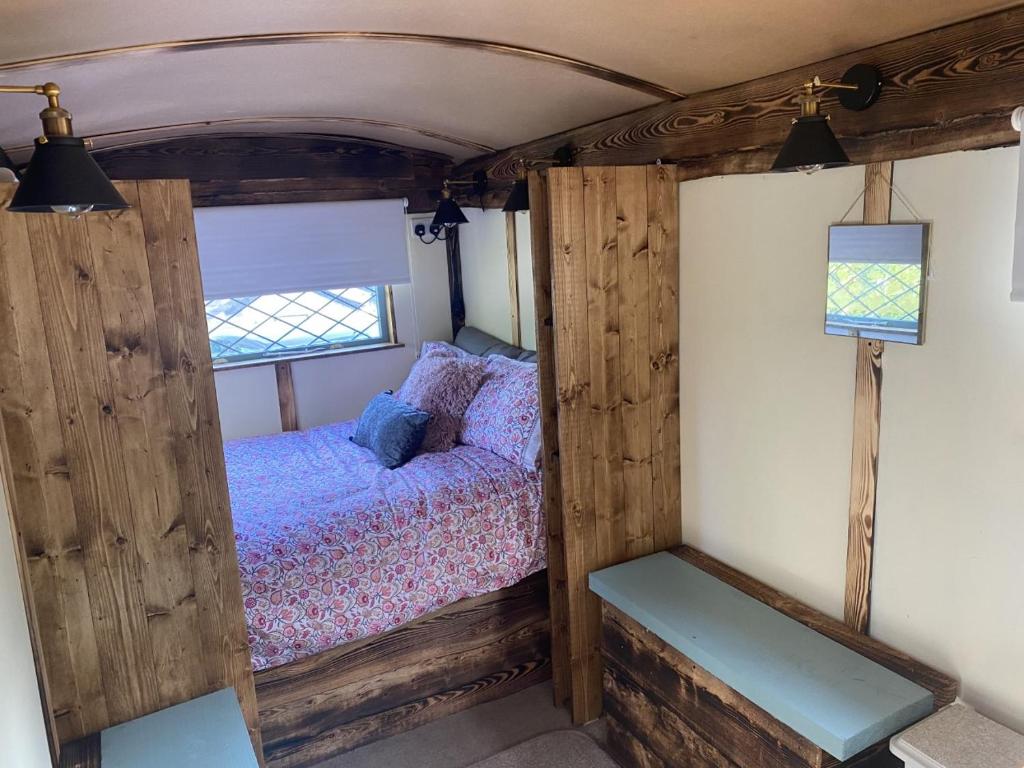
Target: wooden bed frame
[{"x": 470, "y": 652}]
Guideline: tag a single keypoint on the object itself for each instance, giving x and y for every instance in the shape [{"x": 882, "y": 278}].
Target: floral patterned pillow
[
  {"x": 443, "y": 387},
  {"x": 504, "y": 417}
]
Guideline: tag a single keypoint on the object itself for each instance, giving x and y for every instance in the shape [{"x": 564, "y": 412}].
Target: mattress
[{"x": 333, "y": 548}]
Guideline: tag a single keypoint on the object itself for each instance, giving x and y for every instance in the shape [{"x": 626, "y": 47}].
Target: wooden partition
[
  {"x": 112, "y": 439},
  {"x": 608, "y": 237}
]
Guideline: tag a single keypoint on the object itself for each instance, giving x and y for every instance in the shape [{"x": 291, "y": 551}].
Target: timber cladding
[
  {"x": 112, "y": 435},
  {"x": 613, "y": 255},
  {"x": 467, "y": 653}
]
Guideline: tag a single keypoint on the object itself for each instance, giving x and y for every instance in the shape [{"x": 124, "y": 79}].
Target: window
[{"x": 280, "y": 324}]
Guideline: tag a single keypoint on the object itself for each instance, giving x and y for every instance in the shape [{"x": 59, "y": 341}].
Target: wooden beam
[
  {"x": 513, "y": 277},
  {"x": 867, "y": 413},
  {"x": 259, "y": 169},
  {"x": 286, "y": 396},
  {"x": 952, "y": 88}
]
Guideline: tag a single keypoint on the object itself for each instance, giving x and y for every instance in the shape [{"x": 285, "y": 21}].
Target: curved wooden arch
[
  {"x": 129, "y": 135},
  {"x": 282, "y": 38}
]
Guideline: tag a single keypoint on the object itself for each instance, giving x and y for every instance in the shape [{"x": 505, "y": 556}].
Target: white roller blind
[{"x": 248, "y": 250}]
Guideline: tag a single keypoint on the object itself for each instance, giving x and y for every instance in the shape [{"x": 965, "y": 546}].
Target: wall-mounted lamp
[
  {"x": 449, "y": 215},
  {"x": 811, "y": 145},
  {"x": 519, "y": 197},
  {"x": 61, "y": 177}
]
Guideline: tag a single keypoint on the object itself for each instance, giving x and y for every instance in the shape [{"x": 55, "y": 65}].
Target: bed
[
  {"x": 334, "y": 548},
  {"x": 377, "y": 600}
]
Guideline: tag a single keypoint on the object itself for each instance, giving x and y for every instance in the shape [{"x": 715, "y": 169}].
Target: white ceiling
[{"x": 464, "y": 99}]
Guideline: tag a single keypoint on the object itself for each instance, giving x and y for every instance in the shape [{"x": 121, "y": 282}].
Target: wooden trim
[
  {"x": 948, "y": 89},
  {"x": 540, "y": 246},
  {"x": 338, "y": 36},
  {"x": 941, "y": 685},
  {"x": 464, "y": 654},
  {"x": 309, "y": 356},
  {"x": 513, "y": 277},
  {"x": 867, "y": 414},
  {"x": 286, "y": 396}
]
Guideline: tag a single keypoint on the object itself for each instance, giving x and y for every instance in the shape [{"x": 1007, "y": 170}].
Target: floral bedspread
[{"x": 333, "y": 547}]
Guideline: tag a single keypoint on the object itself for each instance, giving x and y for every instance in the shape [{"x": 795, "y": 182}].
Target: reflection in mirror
[{"x": 876, "y": 281}]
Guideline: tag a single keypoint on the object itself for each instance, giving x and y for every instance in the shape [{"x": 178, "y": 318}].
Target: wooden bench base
[{"x": 663, "y": 710}]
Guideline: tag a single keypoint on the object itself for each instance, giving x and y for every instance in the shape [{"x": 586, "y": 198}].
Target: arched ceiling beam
[{"x": 283, "y": 38}]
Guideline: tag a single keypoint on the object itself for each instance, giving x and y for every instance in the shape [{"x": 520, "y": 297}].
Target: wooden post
[
  {"x": 286, "y": 397},
  {"x": 867, "y": 411},
  {"x": 513, "y": 277}
]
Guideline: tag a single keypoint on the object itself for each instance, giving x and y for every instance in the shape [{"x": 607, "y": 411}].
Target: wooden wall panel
[
  {"x": 663, "y": 261},
  {"x": 572, "y": 371},
  {"x": 540, "y": 246},
  {"x": 616, "y": 340},
  {"x": 110, "y": 424}
]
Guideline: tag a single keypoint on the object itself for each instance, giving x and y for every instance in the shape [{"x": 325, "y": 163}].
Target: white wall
[
  {"x": 767, "y": 412},
  {"x": 22, "y": 732},
  {"x": 524, "y": 262},
  {"x": 485, "y": 272},
  {"x": 337, "y": 388}
]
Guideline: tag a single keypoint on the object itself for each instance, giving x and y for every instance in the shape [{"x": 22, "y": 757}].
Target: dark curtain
[{"x": 458, "y": 305}]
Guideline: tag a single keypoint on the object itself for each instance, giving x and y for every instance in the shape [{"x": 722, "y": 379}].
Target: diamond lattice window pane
[{"x": 287, "y": 323}]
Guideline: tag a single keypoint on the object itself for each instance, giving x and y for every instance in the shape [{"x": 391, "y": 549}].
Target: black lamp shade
[
  {"x": 62, "y": 174},
  {"x": 448, "y": 215},
  {"x": 811, "y": 145},
  {"x": 518, "y": 198}
]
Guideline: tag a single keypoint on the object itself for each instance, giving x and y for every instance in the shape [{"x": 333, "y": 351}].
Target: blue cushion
[{"x": 393, "y": 430}]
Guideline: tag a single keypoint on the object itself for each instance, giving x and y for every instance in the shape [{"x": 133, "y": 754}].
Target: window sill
[{"x": 308, "y": 356}]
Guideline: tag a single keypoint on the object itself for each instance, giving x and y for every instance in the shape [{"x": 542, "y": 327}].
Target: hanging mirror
[{"x": 876, "y": 281}]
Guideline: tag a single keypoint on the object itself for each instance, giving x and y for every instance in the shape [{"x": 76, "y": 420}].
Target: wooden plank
[
  {"x": 82, "y": 753},
  {"x": 663, "y": 242},
  {"x": 572, "y": 370},
  {"x": 513, "y": 277},
  {"x": 867, "y": 414},
  {"x": 233, "y": 169},
  {"x": 197, "y": 445},
  {"x": 40, "y": 495},
  {"x": 974, "y": 82},
  {"x": 942, "y": 686},
  {"x": 739, "y": 729},
  {"x": 659, "y": 728},
  {"x": 602, "y": 265},
  {"x": 635, "y": 359},
  {"x": 129, "y": 321},
  {"x": 286, "y": 396},
  {"x": 83, "y": 387},
  {"x": 466, "y": 653},
  {"x": 540, "y": 246},
  {"x": 627, "y": 749},
  {"x": 257, "y": 156}
]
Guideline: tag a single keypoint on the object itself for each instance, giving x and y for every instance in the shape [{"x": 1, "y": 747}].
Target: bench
[{"x": 706, "y": 666}]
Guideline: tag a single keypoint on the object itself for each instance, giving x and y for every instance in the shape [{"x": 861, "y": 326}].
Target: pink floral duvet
[{"x": 333, "y": 547}]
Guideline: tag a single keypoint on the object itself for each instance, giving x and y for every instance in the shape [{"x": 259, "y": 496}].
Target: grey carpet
[
  {"x": 558, "y": 749},
  {"x": 467, "y": 737}
]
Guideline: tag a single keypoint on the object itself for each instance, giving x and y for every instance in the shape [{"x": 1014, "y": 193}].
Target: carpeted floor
[
  {"x": 558, "y": 749},
  {"x": 482, "y": 735}
]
